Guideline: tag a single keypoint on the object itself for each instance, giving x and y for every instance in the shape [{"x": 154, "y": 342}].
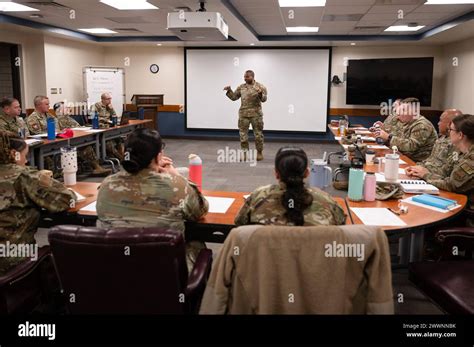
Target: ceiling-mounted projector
[{"x": 198, "y": 26}]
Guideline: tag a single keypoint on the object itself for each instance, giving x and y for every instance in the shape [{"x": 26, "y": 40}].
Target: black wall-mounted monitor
[{"x": 373, "y": 81}]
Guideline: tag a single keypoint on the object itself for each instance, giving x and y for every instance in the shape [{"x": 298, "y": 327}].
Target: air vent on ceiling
[
  {"x": 127, "y": 20},
  {"x": 127, "y": 30},
  {"x": 342, "y": 17},
  {"x": 45, "y": 3}
]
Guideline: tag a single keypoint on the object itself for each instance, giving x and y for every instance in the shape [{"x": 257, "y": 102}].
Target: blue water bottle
[
  {"x": 95, "y": 120},
  {"x": 51, "y": 129}
]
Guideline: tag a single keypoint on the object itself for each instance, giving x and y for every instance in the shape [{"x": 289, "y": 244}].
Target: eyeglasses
[{"x": 451, "y": 129}]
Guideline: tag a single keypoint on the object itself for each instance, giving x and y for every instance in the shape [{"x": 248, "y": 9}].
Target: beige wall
[
  {"x": 64, "y": 62},
  {"x": 138, "y": 78},
  {"x": 338, "y": 93},
  {"x": 459, "y": 80},
  {"x": 32, "y": 62}
]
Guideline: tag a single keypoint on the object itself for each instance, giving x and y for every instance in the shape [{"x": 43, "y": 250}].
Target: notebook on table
[
  {"x": 436, "y": 201},
  {"x": 418, "y": 187}
]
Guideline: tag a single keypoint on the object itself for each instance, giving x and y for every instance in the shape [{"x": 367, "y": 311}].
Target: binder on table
[
  {"x": 435, "y": 201},
  {"x": 418, "y": 187}
]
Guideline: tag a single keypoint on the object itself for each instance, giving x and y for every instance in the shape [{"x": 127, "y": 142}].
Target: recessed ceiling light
[
  {"x": 159, "y": 44},
  {"x": 98, "y": 31},
  {"x": 302, "y": 3},
  {"x": 353, "y": 43},
  {"x": 449, "y": 2},
  {"x": 302, "y": 29},
  {"x": 404, "y": 28},
  {"x": 8, "y": 6},
  {"x": 130, "y": 5},
  {"x": 252, "y": 44}
]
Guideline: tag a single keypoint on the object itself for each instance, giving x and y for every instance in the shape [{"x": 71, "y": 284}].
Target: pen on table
[{"x": 397, "y": 213}]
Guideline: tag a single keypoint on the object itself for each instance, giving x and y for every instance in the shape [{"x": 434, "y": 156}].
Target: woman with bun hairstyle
[
  {"x": 149, "y": 192},
  {"x": 290, "y": 202}
]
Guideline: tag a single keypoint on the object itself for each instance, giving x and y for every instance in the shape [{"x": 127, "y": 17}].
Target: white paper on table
[
  {"x": 40, "y": 136},
  {"x": 83, "y": 128},
  {"x": 410, "y": 201},
  {"x": 377, "y": 216},
  {"x": 246, "y": 196},
  {"x": 337, "y": 138},
  {"x": 368, "y": 138},
  {"x": 79, "y": 196},
  {"x": 89, "y": 208},
  {"x": 94, "y": 130},
  {"x": 377, "y": 147},
  {"x": 359, "y": 128},
  {"x": 380, "y": 176},
  {"x": 219, "y": 205},
  {"x": 32, "y": 141}
]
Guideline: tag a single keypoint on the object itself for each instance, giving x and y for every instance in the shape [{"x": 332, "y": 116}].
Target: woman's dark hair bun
[
  {"x": 142, "y": 147},
  {"x": 131, "y": 166}
]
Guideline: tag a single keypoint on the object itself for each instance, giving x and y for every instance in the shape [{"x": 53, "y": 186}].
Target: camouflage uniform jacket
[
  {"x": 66, "y": 121},
  {"x": 105, "y": 114},
  {"x": 37, "y": 123},
  {"x": 392, "y": 125},
  {"x": 461, "y": 178},
  {"x": 22, "y": 195},
  {"x": 264, "y": 206},
  {"x": 149, "y": 199},
  {"x": 417, "y": 140},
  {"x": 12, "y": 124},
  {"x": 442, "y": 158},
  {"x": 251, "y": 103}
]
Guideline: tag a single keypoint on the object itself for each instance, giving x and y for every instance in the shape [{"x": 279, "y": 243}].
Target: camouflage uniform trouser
[
  {"x": 114, "y": 148},
  {"x": 257, "y": 127}
]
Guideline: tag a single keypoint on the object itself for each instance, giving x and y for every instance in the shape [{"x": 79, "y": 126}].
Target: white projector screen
[{"x": 297, "y": 81}]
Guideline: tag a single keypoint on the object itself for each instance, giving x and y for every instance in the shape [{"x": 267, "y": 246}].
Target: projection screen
[{"x": 297, "y": 81}]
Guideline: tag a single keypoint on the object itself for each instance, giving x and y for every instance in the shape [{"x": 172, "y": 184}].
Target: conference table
[
  {"x": 416, "y": 220},
  {"x": 214, "y": 227},
  {"x": 82, "y": 137}
]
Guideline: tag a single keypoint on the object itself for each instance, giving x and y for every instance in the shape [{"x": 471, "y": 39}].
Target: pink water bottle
[
  {"x": 195, "y": 170},
  {"x": 369, "y": 187}
]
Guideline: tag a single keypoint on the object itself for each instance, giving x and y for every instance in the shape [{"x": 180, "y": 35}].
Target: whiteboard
[
  {"x": 297, "y": 81},
  {"x": 99, "y": 80}
]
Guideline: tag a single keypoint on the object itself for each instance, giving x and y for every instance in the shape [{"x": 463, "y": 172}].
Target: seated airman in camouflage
[
  {"x": 444, "y": 154},
  {"x": 85, "y": 154},
  {"x": 418, "y": 135},
  {"x": 149, "y": 192},
  {"x": 10, "y": 119},
  {"x": 24, "y": 191},
  {"x": 106, "y": 111},
  {"x": 461, "y": 178},
  {"x": 290, "y": 202}
]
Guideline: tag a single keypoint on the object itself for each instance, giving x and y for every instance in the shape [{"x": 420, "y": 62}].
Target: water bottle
[
  {"x": 51, "y": 129},
  {"x": 69, "y": 165},
  {"x": 391, "y": 165},
  {"x": 370, "y": 184},
  {"x": 356, "y": 184},
  {"x": 195, "y": 170},
  {"x": 95, "y": 120},
  {"x": 114, "y": 120}
]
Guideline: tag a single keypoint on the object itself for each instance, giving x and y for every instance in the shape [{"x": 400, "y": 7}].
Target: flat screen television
[{"x": 373, "y": 81}]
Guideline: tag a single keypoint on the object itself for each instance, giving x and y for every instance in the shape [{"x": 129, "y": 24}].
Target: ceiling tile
[
  {"x": 352, "y": 9},
  {"x": 392, "y": 8}
]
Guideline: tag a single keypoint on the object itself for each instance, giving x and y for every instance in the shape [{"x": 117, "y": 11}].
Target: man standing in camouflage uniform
[
  {"x": 10, "y": 119},
  {"x": 85, "y": 154},
  {"x": 444, "y": 155},
  {"x": 418, "y": 135},
  {"x": 24, "y": 191},
  {"x": 106, "y": 111},
  {"x": 252, "y": 95}
]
